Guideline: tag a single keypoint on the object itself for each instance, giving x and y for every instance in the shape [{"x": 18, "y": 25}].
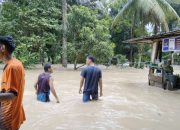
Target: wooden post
[
  {"x": 172, "y": 58},
  {"x": 154, "y": 52}
]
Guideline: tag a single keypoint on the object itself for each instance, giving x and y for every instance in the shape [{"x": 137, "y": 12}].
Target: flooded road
[{"x": 128, "y": 104}]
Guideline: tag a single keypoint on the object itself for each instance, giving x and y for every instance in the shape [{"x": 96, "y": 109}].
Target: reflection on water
[{"x": 128, "y": 104}]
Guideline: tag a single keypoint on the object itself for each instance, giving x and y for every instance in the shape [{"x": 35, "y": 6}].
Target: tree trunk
[
  {"x": 141, "y": 46},
  {"x": 156, "y": 29},
  {"x": 49, "y": 59},
  {"x": 140, "y": 55},
  {"x": 131, "y": 46},
  {"x": 75, "y": 64},
  {"x": 42, "y": 58},
  {"x": 64, "y": 46},
  {"x": 131, "y": 56}
]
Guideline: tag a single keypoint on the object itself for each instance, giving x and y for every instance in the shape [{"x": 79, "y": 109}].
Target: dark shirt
[
  {"x": 92, "y": 75},
  {"x": 43, "y": 83},
  {"x": 168, "y": 69}
]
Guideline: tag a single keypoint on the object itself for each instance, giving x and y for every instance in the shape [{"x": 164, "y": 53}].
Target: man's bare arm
[
  {"x": 36, "y": 86},
  {"x": 101, "y": 87},
  {"x": 53, "y": 90},
  {"x": 6, "y": 96},
  {"x": 81, "y": 85}
]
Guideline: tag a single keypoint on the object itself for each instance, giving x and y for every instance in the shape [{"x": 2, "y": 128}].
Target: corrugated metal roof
[{"x": 151, "y": 39}]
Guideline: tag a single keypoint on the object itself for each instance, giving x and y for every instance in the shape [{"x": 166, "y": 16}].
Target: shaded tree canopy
[{"x": 37, "y": 28}]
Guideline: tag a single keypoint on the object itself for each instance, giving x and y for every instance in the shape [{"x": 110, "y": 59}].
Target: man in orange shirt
[{"x": 12, "y": 87}]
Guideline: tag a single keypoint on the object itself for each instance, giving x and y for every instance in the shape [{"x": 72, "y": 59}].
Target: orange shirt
[{"x": 13, "y": 79}]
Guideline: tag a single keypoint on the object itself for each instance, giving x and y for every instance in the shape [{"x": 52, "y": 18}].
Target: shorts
[
  {"x": 43, "y": 97},
  {"x": 88, "y": 95}
]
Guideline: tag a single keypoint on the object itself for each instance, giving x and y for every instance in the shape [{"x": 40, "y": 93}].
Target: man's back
[
  {"x": 92, "y": 75},
  {"x": 43, "y": 83}
]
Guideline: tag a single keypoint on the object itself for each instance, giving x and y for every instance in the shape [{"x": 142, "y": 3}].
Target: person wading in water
[
  {"x": 45, "y": 84},
  {"x": 12, "y": 87},
  {"x": 92, "y": 77}
]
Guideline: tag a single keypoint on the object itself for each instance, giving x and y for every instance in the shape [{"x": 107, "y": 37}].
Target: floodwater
[{"x": 128, "y": 104}]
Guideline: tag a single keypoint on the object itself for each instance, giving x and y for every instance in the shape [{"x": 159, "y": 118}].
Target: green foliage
[
  {"x": 121, "y": 58},
  {"x": 131, "y": 19},
  {"x": 25, "y": 55},
  {"x": 88, "y": 35},
  {"x": 156, "y": 12},
  {"x": 120, "y": 34},
  {"x": 34, "y": 26},
  {"x": 103, "y": 51}
]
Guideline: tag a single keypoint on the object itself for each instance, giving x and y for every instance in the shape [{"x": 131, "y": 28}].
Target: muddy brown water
[{"x": 128, "y": 104}]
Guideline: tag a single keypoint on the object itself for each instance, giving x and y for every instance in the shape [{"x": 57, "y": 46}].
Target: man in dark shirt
[
  {"x": 92, "y": 77},
  {"x": 45, "y": 84},
  {"x": 168, "y": 68},
  {"x": 169, "y": 79}
]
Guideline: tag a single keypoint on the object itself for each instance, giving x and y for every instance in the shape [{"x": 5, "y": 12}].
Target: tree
[
  {"x": 34, "y": 26},
  {"x": 157, "y": 12},
  {"x": 122, "y": 31},
  {"x": 174, "y": 24},
  {"x": 88, "y": 35},
  {"x": 64, "y": 47}
]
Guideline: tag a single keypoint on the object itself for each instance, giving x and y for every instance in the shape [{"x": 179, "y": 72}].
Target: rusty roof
[{"x": 151, "y": 39}]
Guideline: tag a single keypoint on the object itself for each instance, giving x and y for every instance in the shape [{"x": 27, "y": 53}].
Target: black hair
[
  {"x": 91, "y": 58},
  {"x": 47, "y": 67},
  {"x": 8, "y": 42}
]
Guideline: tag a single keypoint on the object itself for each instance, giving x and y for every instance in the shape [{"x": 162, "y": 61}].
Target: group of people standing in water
[{"x": 12, "y": 114}]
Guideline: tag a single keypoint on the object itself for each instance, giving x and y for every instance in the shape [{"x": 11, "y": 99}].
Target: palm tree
[
  {"x": 156, "y": 12},
  {"x": 174, "y": 1},
  {"x": 142, "y": 12},
  {"x": 64, "y": 46}
]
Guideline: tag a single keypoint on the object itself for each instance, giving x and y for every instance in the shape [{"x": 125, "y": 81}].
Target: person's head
[
  {"x": 48, "y": 68},
  {"x": 90, "y": 60},
  {"x": 7, "y": 46}
]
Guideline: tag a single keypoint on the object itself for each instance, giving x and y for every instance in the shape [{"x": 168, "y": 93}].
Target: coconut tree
[
  {"x": 64, "y": 46},
  {"x": 156, "y": 12},
  {"x": 142, "y": 12},
  {"x": 174, "y": 1}
]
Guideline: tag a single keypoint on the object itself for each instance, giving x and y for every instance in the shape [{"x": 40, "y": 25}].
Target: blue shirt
[{"x": 92, "y": 75}]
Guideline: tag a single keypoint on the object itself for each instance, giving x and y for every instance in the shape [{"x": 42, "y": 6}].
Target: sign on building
[
  {"x": 177, "y": 45},
  {"x": 171, "y": 44}
]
